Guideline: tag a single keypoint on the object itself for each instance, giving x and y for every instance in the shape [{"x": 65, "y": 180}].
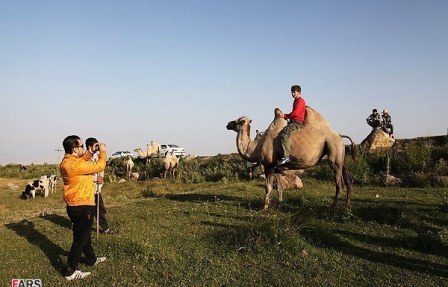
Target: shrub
[
  {"x": 444, "y": 202},
  {"x": 439, "y": 153},
  {"x": 222, "y": 167},
  {"x": 441, "y": 167},
  {"x": 417, "y": 179},
  {"x": 360, "y": 169},
  {"x": 412, "y": 159},
  {"x": 189, "y": 171},
  {"x": 33, "y": 171},
  {"x": 377, "y": 162}
]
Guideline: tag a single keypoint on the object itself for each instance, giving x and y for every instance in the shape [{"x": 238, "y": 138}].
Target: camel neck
[{"x": 246, "y": 146}]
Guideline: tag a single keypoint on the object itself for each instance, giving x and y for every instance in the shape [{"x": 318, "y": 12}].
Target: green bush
[
  {"x": 200, "y": 169},
  {"x": 439, "y": 153},
  {"x": 444, "y": 201},
  {"x": 217, "y": 168},
  {"x": 417, "y": 164},
  {"x": 412, "y": 159},
  {"x": 441, "y": 167},
  {"x": 189, "y": 171},
  {"x": 417, "y": 179},
  {"x": 32, "y": 171},
  {"x": 360, "y": 169},
  {"x": 377, "y": 162}
]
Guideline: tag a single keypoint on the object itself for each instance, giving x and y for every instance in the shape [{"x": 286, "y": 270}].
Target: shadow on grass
[
  {"x": 26, "y": 229},
  {"x": 249, "y": 204},
  {"x": 421, "y": 218},
  {"x": 200, "y": 198},
  {"x": 333, "y": 239},
  {"x": 250, "y": 237},
  {"x": 58, "y": 220},
  {"x": 421, "y": 243}
]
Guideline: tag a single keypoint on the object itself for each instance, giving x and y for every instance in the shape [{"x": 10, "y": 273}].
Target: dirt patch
[{"x": 7, "y": 184}]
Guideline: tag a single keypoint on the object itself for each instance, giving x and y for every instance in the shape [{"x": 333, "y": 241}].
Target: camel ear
[{"x": 250, "y": 121}]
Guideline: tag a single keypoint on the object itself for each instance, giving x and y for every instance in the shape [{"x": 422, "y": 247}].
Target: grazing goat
[
  {"x": 52, "y": 181},
  {"x": 31, "y": 187}
]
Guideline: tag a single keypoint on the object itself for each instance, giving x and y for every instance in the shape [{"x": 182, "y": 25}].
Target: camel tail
[{"x": 353, "y": 146}]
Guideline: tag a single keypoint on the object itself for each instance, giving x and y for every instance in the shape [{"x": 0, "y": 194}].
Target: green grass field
[{"x": 215, "y": 234}]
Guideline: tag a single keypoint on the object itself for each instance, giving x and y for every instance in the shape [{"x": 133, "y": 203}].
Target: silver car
[
  {"x": 121, "y": 154},
  {"x": 164, "y": 148}
]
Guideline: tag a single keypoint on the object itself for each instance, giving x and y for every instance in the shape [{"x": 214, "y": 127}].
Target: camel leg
[
  {"x": 279, "y": 190},
  {"x": 337, "y": 172},
  {"x": 269, "y": 174},
  {"x": 348, "y": 184}
]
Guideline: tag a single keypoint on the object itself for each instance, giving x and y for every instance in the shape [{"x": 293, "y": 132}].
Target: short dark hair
[
  {"x": 70, "y": 143},
  {"x": 374, "y": 111},
  {"x": 296, "y": 88},
  {"x": 91, "y": 141}
]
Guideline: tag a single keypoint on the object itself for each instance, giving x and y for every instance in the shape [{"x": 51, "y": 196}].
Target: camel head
[
  {"x": 277, "y": 113},
  {"x": 137, "y": 149},
  {"x": 239, "y": 124}
]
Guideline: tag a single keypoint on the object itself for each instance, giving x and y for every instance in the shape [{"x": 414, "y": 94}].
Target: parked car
[
  {"x": 164, "y": 148},
  {"x": 122, "y": 153}
]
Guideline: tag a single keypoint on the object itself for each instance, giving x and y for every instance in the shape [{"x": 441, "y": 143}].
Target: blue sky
[{"x": 128, "y": 72}]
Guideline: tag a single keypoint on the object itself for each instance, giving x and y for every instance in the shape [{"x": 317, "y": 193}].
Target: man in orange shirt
[
  {"x": 77, "y": 173},
  {"x": 296, "y": 120}
]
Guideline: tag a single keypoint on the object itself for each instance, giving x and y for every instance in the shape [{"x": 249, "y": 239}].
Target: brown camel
[
  {"x": 151, "y": 150},
  {"x": 143, "y": 155},
  {"x": 170, "y": 163},
  {"x": 308, "y": 146}
]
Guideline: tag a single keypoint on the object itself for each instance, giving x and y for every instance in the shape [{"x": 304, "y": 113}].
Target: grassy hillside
[{"x": 214, "y": 234}]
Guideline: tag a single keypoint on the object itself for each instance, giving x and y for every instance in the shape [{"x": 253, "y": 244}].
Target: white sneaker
[
  {"x": 99, "y": 260},
  {"x": 283, "y": 160},
  {"x": 77, "y": 275}
]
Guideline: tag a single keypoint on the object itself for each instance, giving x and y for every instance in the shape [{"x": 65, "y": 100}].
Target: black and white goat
[
  {"x": 52, "y": 181},
  {"x": 45, "y": 184}
]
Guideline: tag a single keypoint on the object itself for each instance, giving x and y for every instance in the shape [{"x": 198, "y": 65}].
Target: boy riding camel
[{"x": 296, "y": 120}]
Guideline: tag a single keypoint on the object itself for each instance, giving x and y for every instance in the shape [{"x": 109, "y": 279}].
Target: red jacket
[{"x": 298, "y": 111}]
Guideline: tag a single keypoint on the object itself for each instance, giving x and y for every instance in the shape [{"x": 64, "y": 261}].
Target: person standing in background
[{"x": 98, "y": 179}]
